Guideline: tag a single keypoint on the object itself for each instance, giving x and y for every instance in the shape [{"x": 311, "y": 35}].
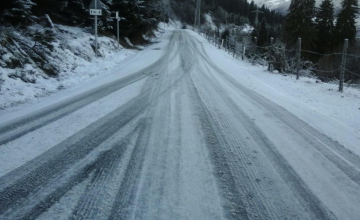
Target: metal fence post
[
  {"x": 243, "y": 51},
  {"x": 96, "y": 36},
  {"x": 343, "y": 65},
  {"x": 227, "y": 44},
  {"x": 253, "y": 60},
  {"x": 235, "y": 47},
  {"x": 271, "y": 67},
  {"x": 298, "y": 58}
]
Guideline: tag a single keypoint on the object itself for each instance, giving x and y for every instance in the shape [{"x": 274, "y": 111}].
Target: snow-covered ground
[
  {"x": 75, "y": 57},
  {"x": 107, "y": 70},
  {"x": 209, "y": 22},
  {"x": 182, "y": 130},
  {"x": 318, "y": 104},
  {"x": 78, "y": 64}
]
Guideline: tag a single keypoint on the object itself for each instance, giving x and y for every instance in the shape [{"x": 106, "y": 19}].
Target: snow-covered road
[{"x": 178, "y": 139}]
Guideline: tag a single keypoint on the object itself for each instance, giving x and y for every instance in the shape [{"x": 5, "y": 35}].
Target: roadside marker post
[
  {"x": 96, "y": 10},
  {"x": 118, "y": 29},
  {"x": 298, "y": 58},
  {"x": 343, "y": 65}
]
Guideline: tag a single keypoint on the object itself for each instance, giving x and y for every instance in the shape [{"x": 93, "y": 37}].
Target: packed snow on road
[{"x": 183, "y": 130}]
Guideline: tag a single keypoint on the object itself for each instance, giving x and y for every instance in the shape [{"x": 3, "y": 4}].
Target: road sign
[
  {"x": 96, "y": 4},
  {"x": 97, "y": 12}
]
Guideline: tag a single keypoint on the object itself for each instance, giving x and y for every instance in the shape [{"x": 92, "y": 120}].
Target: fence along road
[
  {"x": 195, "y": 144},
  {"x": 291, "y": 63}
]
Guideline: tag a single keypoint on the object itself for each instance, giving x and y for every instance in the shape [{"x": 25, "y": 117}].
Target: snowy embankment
[
  {"x": 72, "y": 56},
  {"x": 24, "y": 149},
  {"x": 319, "y": 104}
]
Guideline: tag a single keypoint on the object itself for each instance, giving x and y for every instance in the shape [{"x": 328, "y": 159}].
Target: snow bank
[
  {"x": 209, "y": 22},
  {"x": 73, "y": 54},
  {"x": 318, "y": 104}
]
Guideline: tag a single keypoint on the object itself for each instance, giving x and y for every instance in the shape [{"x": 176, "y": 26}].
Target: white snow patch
[
  {"x": 209, "y": 22},
  {"x": 79, "y": 64},
  {"x": 128, "y": 41},
  {"x": 318, "y": 104}
]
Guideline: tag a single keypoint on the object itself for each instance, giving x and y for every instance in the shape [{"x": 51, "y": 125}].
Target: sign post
[{"x": 96, "y": 10}]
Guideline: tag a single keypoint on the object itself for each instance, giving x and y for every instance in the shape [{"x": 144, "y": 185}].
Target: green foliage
[
  {"x": 236, "y": 12},
  {"x": 44, "y": 38},
  {"x": 263, "y": 35},
  {"x": 138, "y": 17},
  {"x": 325, "y": 26},
  {"x": 299, "y": 23},
  {"x": 16, "y": 12},
  {"x": 225, "y": 34},
  {"x": 346, "y": 24}
]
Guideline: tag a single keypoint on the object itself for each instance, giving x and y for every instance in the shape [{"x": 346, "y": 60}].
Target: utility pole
[
  {"x": 257, "y": 16},
  {"x": 197, "y": 14}
]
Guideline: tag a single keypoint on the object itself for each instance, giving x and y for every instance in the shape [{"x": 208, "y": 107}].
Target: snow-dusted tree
[
  {"x": 299, "y": 23},
  {"x": 325, "y": 26},
  {"x": 16, "y": 11},
  {"x": 263, "y": 36},
  {"x": 346, "y": 24}
]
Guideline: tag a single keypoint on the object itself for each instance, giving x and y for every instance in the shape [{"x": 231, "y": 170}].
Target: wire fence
[{"x": 277, "y": 57}]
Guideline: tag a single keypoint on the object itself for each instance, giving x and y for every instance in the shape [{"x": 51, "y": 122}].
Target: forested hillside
[
  {"x": 139, "y": 17},
  {"x": 237, "y": 12},
  {"x": 39, "y": 39},
  {"x": 322, "y": 29},
  {"x": 45, "y": 41}
]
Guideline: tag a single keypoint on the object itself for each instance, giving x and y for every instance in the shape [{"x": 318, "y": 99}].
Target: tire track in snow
[
  {"x": 19, "y": 127},
  {"x": 92, "y": 203},
  {"x": 19, "y": 184},
  {"x": 309, "y": 200},
  {"x": 234, "y": 204},
  {"x": 345, "y": 160},
  {"x": 305, "y": 195}
]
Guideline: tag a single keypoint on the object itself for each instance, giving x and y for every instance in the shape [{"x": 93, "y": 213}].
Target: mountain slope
[{"x": 283, "y": 5}]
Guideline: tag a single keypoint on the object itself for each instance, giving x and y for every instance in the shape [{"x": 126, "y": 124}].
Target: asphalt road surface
[{"x": 194, "y": 144}]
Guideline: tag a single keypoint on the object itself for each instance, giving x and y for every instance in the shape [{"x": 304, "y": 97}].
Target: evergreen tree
[
  {"x": 325, "y": 26},
  {"x": 251, "y": 14},
  {"x": 263, "y": 36},
  {"x": 16, "y": 11},
  {"x": 299, "y": 23},
  {"x": 346, "y": 24}
]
